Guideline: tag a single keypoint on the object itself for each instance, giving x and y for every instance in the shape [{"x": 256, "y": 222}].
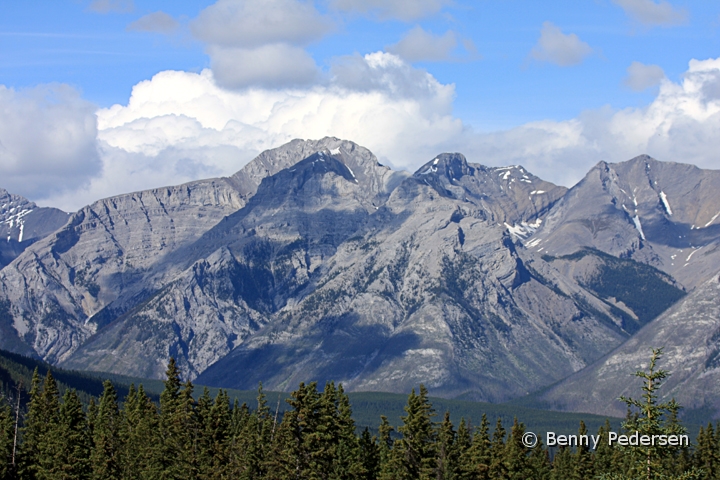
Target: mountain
[
  {"x": 23, "y": 223},
  {"x": 690, "y": 335},
  {"x": 315, "y": 262},
  {"x": 661, "y": 213}
]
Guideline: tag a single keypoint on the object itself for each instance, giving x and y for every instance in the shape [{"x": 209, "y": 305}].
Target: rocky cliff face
[
  {"x": 23, "y": 223},
  {"x": 315, "y": 262},
  {"x": 690, "y": 335},
  {"x": 660, "y": 213}
]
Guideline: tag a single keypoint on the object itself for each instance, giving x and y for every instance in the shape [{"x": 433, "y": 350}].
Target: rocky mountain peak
[{"x": 22, "y": 223}]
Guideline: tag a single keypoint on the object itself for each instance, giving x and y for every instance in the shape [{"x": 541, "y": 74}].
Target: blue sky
[{"x": 107, "y": 96}]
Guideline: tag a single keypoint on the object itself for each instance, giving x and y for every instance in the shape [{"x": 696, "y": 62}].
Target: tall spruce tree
[
  {"x": 463, "y": 443},
  {"x": 106, "y": 440},
  {"x": 41, "y": 424},
  {"x": 563, "y": 465},
  {"x": 447, "y": 461},
  {"x": 369, "y": 455},
  {"x": 178, "y": 428},
  {"x": 413, "y": 456},
  {"x": 706, "y": 453},
  {"x": 140, "y": 437},
  {"x": 385, "y": 445},
  {"x": 479, "y": 454},
  {"x": 583, "y": 459},
  {"x": 539, "y": 462},
  {"x": 516, "y": 454},
  {"x": 70, "y": 442},
  {"x": 650, "y": 418},
  {"x": 498, "y": 468},
  {"x": 7, "y": 433}
]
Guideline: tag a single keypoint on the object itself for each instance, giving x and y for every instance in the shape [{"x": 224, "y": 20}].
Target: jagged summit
[
  {"x": 22, "y": 223},
  {"x": 315, "y": 262},
  {"x": 661, "y": 213}
]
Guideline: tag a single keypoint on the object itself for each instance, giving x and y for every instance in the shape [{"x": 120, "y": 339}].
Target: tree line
[{"x": 316, "y": 438}]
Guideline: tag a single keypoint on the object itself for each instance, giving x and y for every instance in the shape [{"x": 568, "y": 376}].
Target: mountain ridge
[{"x": 316, "y": 262}]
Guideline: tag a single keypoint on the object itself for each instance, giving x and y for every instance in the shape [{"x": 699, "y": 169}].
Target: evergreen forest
[{"x": 182, "y": 436}]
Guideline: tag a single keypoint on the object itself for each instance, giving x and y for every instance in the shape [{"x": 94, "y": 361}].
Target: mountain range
[{"x": 316, "y": 262}]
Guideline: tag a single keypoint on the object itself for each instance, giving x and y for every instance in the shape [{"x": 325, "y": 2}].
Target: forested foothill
[{"x": 184, "y": 436}]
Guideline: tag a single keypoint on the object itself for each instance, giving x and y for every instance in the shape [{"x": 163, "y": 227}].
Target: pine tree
[
  {"x": 178, "y": 428},
  {"x": 479, "y": 453},
  {"x": 516, "y": 454},
  {"x": 214, "y": 451},
  {"x": 385, "y": 445},
  {"x": 498, "y": 469},
  {"x": 41, "y": 420},
  {"x": 70, "y": 443},
  {"x": 369, "y": 455},
  {"x": 583, "y": 458},
  {"x": 413, "y": 456},
  {"x": 706, "y": 454},
  {"x": 539, "y": 462},
  {"x": 283, "y": 459},
  {"x": 604, "y": 457},
  {"x": 105, "y": 457},
  {"x": 563, "y": 466},
  {"x": 447, "y": 457},
  {"x": 346, "y": 453},
  {"x": 649, "y": 418},
  {"x": 463, "y": 443},
  {"x": 7, "y": 433},
  {"x": 140, "y": 437}
]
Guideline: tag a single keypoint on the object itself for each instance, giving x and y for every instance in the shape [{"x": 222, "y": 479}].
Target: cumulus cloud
[
  {"x": 649, "y": 12},
  {"x": 257, "y": 43},
  {"x": 181, "y": 126},
  {"x": 418, "y": 45},
  {"x": 47, "y": 140},
  {"x": 274, "y": 66},
  {"x": 641, "y": 76},
  {"x": 255, "y": 23},
  {"x": 405, "y": 10},
  {"x": 158, "y": 22},
  {"x": 112, "y": 6},
  {"x": 559, "y": 48},
  {"x": 680, "y": 125}
]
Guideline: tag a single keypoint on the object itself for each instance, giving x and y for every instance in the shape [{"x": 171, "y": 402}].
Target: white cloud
[
  {"x": 649, "y": 12},
  {"x": 641, "y": 76},
  {"x": 418, "y": 45},
  {"x": 406, "y": 10},
  {"x": 181, "y": 126},
  {"x": 680, "y": 125},
  {"x": 47, "y": 140},
  {"x": 256, "y": 43},
  {"x": 159, "y": 22},
  {"x": 559, "y": 48},
  {"x": 272, "y": 66},
  {"x": 108, "y": 6},
  {"x": 255, "y": 23}
]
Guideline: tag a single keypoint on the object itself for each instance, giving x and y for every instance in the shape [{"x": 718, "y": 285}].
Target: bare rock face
[
  {"x": 23, "y": 223},
  {"x": 315, "y": 262},
  {"x": 660, "y": 213},
  {"x": 431, "y": 288},
  {"x": 690, "y": 335}
]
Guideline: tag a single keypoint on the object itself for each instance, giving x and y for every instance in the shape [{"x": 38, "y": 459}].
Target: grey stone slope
[
  {"x": 23, "y": 223},
  {"x": 661, "y": 213},
  {"x": 227, "y": 283},
  {"x": 111, "y": 255},
  {"x": 432, "y": 289},
  {"x": 689, "y": 332},
  {"x": 315, "y": 262}
]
